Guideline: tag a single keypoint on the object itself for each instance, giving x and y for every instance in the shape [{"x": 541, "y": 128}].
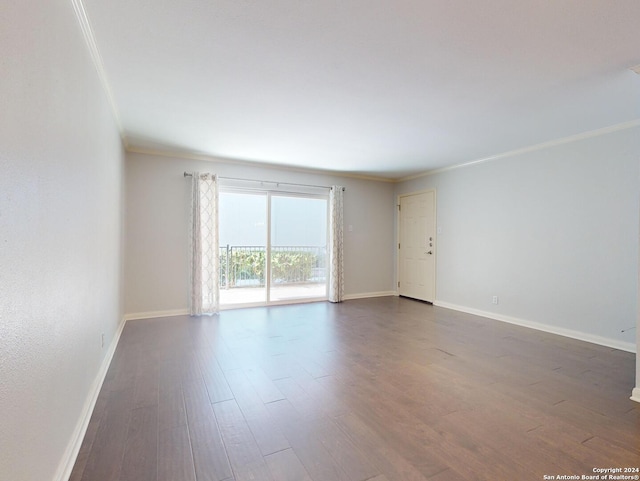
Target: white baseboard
[
  {"x": 365, "y": 295},
  {"x": 581, "y": 336},
  {"x": 151, "y": 314},
  {"x": 185, "y": 312},
  {"x": 635, "y": 394},
  {"x": 71, "y": 454}
]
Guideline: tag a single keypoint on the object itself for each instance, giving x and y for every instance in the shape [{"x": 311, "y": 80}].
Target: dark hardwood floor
[{"x": 374, "y": 389}]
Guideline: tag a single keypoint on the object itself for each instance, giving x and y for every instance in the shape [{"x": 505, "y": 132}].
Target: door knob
[{"x": 430, "y": 252}]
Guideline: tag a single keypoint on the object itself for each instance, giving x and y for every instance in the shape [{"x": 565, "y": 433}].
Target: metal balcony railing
[{"x": 245, "y": 266}]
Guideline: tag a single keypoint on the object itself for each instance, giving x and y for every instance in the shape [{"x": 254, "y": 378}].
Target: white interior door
[{"x": 417, "y": 246}]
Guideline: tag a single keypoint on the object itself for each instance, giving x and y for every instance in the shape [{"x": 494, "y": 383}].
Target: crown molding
[
  {"x": 209, "y": 158},
  {"x": 183, "y": 154},
  {"x": 87, "y": 33},
  {"x": 532, "y": 148}
]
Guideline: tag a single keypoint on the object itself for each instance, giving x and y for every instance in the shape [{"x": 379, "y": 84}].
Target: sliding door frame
[{"x": 269, "y": 193}]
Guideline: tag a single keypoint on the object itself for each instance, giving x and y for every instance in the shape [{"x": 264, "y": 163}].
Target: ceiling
[{"x": 387, "y": 88}]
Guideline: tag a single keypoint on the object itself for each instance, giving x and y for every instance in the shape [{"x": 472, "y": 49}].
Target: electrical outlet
[
  {"x": 102, "y": 340},
  {"x": 494, "y": 300}
]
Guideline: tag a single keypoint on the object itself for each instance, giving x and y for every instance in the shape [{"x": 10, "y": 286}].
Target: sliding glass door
[
  {"x": 243, "y": 245},
  {"x": 298, "y": 254},
  {"x": 273, "y": 247}
]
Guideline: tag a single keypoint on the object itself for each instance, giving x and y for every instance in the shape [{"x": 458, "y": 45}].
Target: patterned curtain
[
  {"x": 336, "y": 262},
  {"x": 204, "y": 256}
]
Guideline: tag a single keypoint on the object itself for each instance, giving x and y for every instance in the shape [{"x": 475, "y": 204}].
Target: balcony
[{"x": 297, "y": 272}]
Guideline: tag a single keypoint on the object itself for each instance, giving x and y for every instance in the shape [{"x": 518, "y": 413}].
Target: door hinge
[
  {"x": 399, "y": 207},
  {"x": 398, "y": 245},
  {"x": 398, "y": 283}
]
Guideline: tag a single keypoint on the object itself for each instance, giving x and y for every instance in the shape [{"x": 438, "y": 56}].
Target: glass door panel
[
  {"x": 298, "y": 248},
  {"x": 243, "y": 247}
]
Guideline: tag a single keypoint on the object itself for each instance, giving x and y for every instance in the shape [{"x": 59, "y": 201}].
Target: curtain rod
[{"x": 190, "y": 174}]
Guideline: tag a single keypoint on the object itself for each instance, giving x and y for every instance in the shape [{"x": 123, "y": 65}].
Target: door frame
[{"x": 398, "y": 240}]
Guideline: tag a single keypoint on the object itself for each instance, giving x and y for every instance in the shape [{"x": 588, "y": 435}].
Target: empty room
[{"x": 343, "y": 241}]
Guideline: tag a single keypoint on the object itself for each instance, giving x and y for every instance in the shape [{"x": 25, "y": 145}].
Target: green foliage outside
[{"x": 287, "y": 266}]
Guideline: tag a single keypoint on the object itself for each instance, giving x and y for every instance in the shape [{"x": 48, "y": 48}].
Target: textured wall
[{"x": 60, "y": 234}]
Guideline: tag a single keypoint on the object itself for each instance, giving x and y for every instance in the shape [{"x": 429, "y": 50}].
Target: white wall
[
  {"x": 157, "y": 218},
  {"x": 61, "y": 165},
  {"x": 553, "y": 233},
  {"x": 636, "y": 390}
]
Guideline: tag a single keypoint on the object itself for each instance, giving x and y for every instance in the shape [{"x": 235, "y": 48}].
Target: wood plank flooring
[{"x": 383, "y": 389}]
